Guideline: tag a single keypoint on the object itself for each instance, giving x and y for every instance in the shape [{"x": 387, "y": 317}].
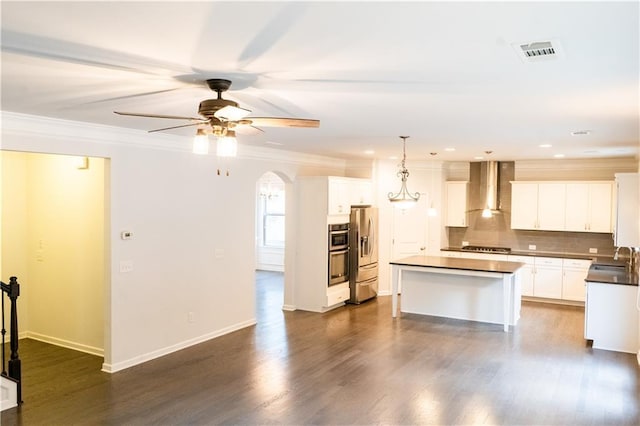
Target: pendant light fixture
[
  {"x": 403, "y": 199},
  {"x": 201, "y": 143}
]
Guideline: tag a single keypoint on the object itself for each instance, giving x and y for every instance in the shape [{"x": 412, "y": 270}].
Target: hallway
[{"x": 354, "y": 365}]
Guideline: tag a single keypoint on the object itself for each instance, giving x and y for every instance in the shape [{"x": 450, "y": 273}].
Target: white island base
[{"x": 475, "y": 290}]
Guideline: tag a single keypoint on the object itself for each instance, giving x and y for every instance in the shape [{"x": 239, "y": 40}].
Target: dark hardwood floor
[{"x": 354, "y": 365}]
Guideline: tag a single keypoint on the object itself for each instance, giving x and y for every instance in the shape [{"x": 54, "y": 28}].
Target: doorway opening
[
  {"x": 55, "y": 240},
  {"x": 270, "y": 243}
]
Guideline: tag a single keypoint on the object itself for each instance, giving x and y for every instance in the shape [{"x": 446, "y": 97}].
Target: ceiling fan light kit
[
  {"x": 201, "y": 143},
  {"x": 224, "y": 116},
  {"x": 403, "y": 199},
  {"x": 227, "y": 145}
]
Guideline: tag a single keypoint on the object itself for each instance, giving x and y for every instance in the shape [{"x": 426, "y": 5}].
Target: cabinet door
[
  {"x": 524, "y": 205},
  {"x": 548, "y": 277},
  {"x": 627, "y": 232},
  {"x": 526, "y": 273},
  {"x": 573, "y": 286},
  {"x": 361, "y": 192},
  {"x": 456, "y": 204},
  {"x": 551, "y": 206},
  {"x": 338, "y": 196},
  {"x": 600, "y": 207},
  {"x": 577, "y": 207},
  {"x": 526, "y": 280}
]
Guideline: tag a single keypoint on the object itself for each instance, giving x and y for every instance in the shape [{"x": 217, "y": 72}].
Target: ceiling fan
[{"x": 224, "y": 116}]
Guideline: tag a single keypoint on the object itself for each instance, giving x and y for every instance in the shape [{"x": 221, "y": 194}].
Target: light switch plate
[
  {"x": 593, "y": 250},
  {"x": 532, "y": 246}
]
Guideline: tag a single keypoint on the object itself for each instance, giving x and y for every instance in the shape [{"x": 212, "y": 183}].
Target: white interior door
[{"x": 410, "y": 230}]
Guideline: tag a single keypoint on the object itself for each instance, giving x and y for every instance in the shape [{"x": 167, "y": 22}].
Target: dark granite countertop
[
  {"x": 499, "y": 266},
  {"x": 612, "y": 273},
  {"x": 593, "y": 257}
]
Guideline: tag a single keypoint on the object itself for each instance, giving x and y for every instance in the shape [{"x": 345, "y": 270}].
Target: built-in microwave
[{"x": 338, "y": 236}]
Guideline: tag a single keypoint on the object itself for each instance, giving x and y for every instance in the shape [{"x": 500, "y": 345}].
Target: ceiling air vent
[{"x": 538, "y": 50}]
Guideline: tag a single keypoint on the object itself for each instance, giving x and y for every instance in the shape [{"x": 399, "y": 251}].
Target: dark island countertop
[{"x": 500, "y": 266}]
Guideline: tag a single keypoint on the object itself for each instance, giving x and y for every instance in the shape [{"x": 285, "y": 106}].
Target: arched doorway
[{"x": 272, "y": 206}]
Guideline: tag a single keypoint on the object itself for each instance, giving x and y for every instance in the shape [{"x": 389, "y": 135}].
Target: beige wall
[{"x": 53, "y": 240}]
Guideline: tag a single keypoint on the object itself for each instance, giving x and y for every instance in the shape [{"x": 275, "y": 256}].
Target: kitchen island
[{"x": 468, "y": 289}]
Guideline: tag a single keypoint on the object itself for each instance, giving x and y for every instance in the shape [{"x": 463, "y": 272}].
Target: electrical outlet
[
  {"x": 191, "y": 317},
  {"x": 593, "y": 250},
  {"x": 465, "y": 243},
  {"x": 126, "y": 266},
  {"x": 532, "y": 246},
  {"x": 219, "y": 254}
]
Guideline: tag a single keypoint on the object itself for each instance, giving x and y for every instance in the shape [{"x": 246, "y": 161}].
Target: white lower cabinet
[
  {"x": 611, "y": 317},
  {"x": 574, "y": 271},
  {"x": 553, "y": 278}
]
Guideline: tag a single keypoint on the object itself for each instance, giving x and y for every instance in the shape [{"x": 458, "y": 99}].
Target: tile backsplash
[{"x": 497, "y": 232}]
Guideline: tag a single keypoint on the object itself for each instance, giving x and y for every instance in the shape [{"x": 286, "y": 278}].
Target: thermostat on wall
[{"x": 126, "y": 235}]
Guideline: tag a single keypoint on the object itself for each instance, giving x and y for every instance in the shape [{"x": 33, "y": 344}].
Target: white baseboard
[
  {"x": 384, "y": 293},
  {"x": 65, "y": 343},
  {"x": 118, "y": 366},
  {"x": 288, "y": 307}
]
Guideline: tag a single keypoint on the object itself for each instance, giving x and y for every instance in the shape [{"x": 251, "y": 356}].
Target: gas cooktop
[{"x": 487, "y": 249}]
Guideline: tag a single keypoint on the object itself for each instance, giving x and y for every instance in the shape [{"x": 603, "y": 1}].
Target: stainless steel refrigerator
[{"x": 363, "y": 241}]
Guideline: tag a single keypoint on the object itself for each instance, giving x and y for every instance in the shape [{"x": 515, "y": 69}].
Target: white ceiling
[{"x": 445, "y": 73}]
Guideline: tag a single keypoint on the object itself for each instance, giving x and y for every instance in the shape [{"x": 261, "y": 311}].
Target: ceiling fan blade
[
  {"x": 231, "y": 113},
  {"x": 283, "y": 122},
  {"x": 77, "y": 53},
  {"x": 169, "y": 117},
  {"x": 174, "y": 127},
  {"x": 136, "y": 95},
  {"x": 271, "y": 33}
]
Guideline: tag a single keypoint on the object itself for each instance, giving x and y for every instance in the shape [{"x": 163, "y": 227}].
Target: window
[{"x": 270, "y": 221}]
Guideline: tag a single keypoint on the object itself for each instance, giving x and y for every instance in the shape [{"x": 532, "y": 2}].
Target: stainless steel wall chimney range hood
[{"x": 486, "y": 185}]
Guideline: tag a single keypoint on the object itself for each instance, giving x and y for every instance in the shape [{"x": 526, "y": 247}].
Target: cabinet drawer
[
  {"x": 549, "y": 261},
  {"x": 529, "y": 260},
  {"x": 337, "y": 296},
  {"x": 576, "y": 263}
]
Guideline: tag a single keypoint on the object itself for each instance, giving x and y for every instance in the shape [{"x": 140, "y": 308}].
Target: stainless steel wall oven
[{"x": 338, "y": 253}]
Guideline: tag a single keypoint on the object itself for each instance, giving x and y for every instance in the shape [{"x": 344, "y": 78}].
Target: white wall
[
  {"x": 54, "y": 243},
  {"x": 193, "y": 231}
]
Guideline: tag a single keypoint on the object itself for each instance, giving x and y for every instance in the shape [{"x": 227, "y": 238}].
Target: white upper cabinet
[
  {"x": 551, "y": 206},
  {"x": 346, "y": 192},
  {"x": 588, "y": 207},
  {"x": 361, "y": 192},
  {"x": 339, "y": 196},
  {"x": 538, "y": 206},
  {"x": 627, "y": 232},
  {"x": 524, "y": 205},
  {"x": 456, "y": 204},
  {"x": 562, "y": 206}
]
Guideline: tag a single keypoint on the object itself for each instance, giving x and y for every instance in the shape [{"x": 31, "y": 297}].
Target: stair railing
[{"x": 12, "y": 291}]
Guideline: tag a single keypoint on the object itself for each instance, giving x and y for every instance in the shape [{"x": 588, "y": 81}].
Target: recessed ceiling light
[
  {"x": 369, "y": 152},
  {"x": 393, "y": 157},
  {"x": 449, "y": 149},
  {"x": 558, "y": 155},
  {"x": 478, "y": 158},
  {"x": 581, "y": 133},
  {"x": 545, "y": 145},
  {"x": 274, "y": 143}
]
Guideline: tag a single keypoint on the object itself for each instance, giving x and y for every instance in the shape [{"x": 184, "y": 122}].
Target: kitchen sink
[{"x": 609, "y": 268}]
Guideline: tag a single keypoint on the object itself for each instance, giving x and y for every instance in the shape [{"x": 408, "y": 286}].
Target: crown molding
[{"x": 25, "y": 125}]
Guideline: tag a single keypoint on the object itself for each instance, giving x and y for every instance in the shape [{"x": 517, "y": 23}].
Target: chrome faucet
[{"x": 632, "y": 263}]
